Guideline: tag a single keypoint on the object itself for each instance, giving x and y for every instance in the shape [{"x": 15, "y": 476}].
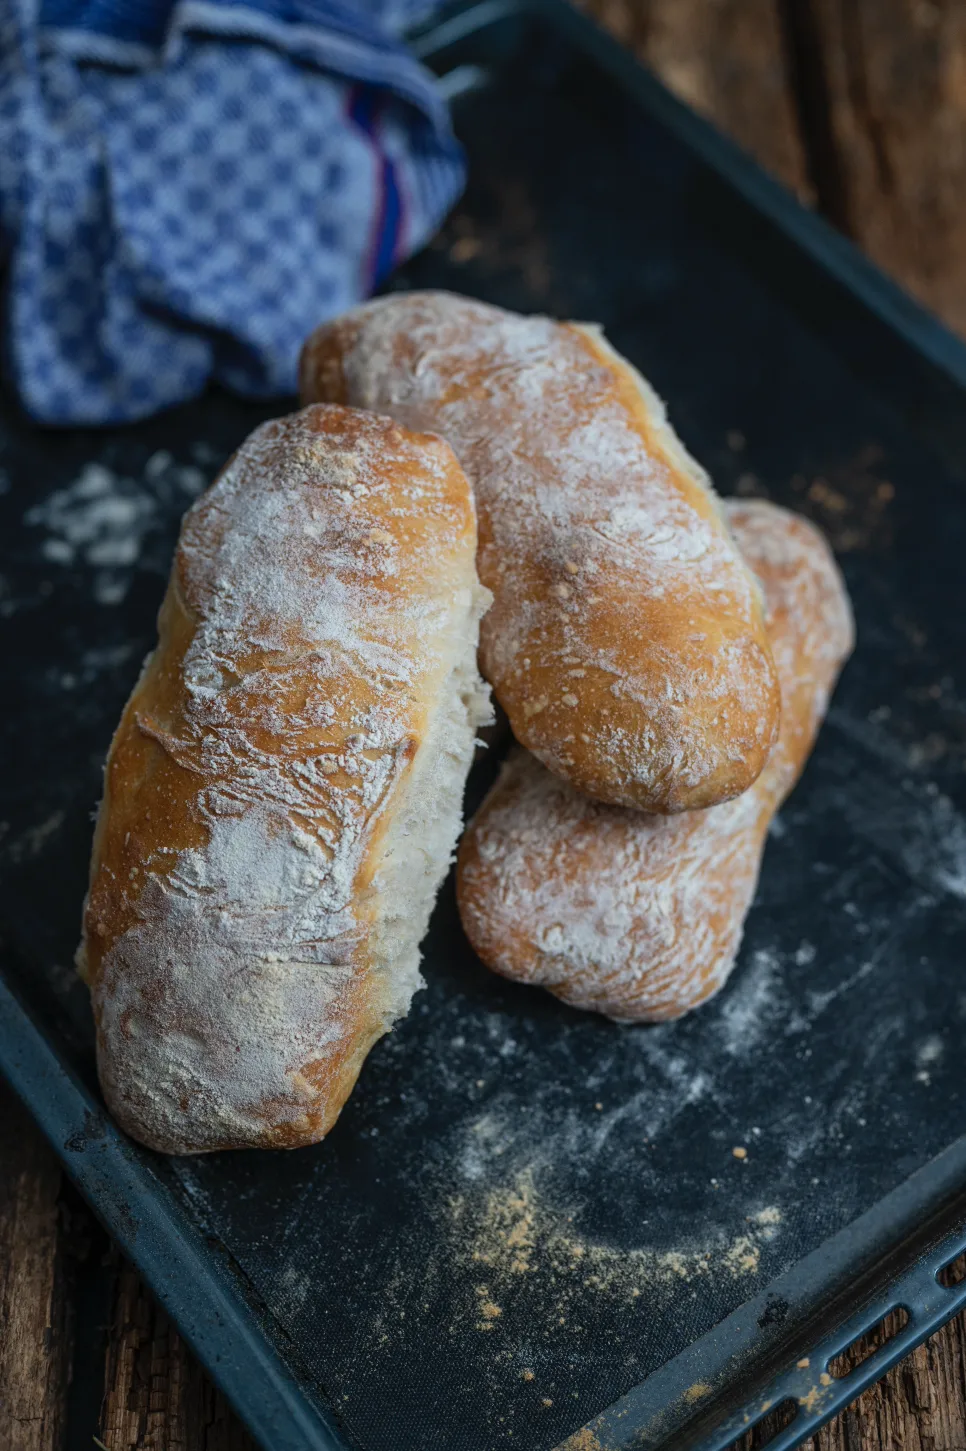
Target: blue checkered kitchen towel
[{"x": 186, "y": 189}]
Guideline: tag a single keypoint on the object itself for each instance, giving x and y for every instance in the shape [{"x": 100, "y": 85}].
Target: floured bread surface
[
  {"x": 640, "y": 916},
  {"x": 283, "y": 793},
  {"x": 626, "y": 641}
]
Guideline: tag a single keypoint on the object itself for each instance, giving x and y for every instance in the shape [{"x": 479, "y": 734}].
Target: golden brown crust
[
  {"x": 637, "y": 916},
  {"x": 239, "y": 939},
  {"x": 626, "y": 642}
]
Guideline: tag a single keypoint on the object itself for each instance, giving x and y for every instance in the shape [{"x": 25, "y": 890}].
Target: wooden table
[{"x": 860, "y": 106}]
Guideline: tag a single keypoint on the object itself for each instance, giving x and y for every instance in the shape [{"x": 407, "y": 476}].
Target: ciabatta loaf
[
  {"x": 283, "y": 793},
  {"x": 626, "y": 641},
  {"x": 640, "y": 917}
]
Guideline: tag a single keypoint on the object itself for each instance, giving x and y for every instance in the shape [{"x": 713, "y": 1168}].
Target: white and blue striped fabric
[{"x": 186, "y": 189}]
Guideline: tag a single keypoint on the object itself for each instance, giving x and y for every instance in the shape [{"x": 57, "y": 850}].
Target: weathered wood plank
[
  {"x": 156, "y": 1396},
  {"x": 894, "y": 75},
  {"x": 858, "y": 105},
  {"x": 727, "y": 59},
  {"x": 34, "y": 1308},
  {"x": 919, "y": 1406}
]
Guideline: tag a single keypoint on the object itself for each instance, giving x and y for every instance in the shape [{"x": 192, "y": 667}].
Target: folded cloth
[{"x": 187, "y": 189}]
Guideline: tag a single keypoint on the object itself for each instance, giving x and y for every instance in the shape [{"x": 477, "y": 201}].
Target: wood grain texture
[
  {"x": 894, "y": 73},
  {"x": 919, "y": 1406},
  {"x": 156, "y": 1396},
  {"x": 858, "y": 105},
  {"x": 727, "y": 59},
  {"x": 34, "y": 1311}
]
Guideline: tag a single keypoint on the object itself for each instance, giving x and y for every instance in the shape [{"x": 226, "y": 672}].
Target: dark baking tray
[{"x": 502, "y": 1153}]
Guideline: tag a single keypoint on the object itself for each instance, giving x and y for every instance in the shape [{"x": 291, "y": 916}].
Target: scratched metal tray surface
[{"x": 530, "y": 1224}]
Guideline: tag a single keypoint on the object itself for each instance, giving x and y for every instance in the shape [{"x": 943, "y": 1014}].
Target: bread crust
[
  {"x": 244, "y": 941},
  {"x": 626, "y": 641},
  {"x": 636, "y": 916}
]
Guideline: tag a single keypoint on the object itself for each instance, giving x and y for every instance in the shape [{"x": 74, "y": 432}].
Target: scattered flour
[
  {"x": 514, "y": 1232},
  {"x": 928, "y": 1055},
  {"x": 32, "y": 841},
  {"x": 756, "y": 999},
  {"x": 930, "y": 1050},
  {"x": 101, "y": 520},
  {"x": 900, "y": 816}
]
